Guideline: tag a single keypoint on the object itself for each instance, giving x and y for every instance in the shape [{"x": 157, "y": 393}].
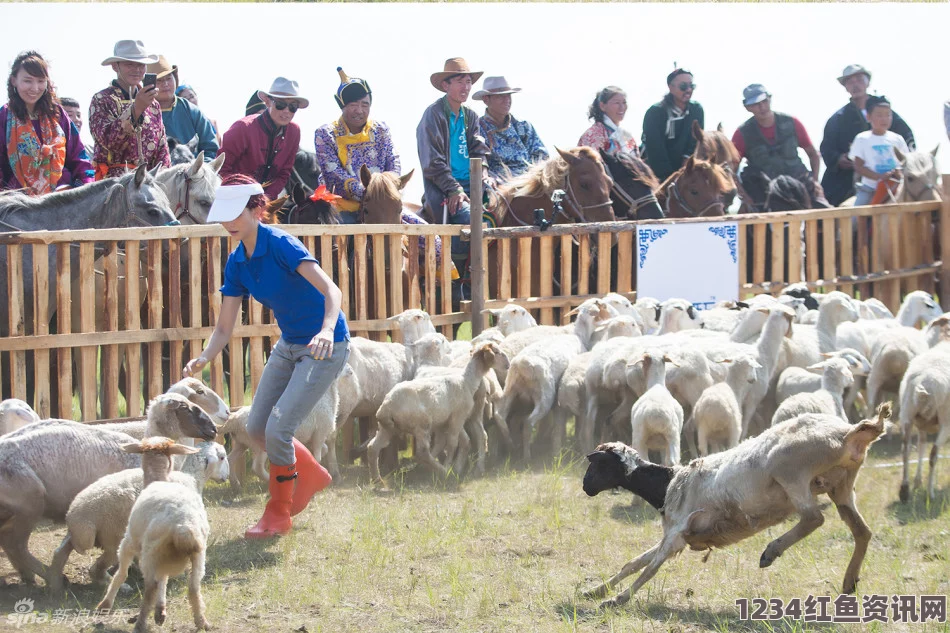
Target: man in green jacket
[{"x": 667, "y": 125}]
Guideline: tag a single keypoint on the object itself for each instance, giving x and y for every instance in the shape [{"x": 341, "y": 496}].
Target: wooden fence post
[
  {"x": 477, "y": 265},
  {"x": 945, "y": 245}
]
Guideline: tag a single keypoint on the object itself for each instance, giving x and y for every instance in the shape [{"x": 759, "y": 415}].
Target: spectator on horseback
[
  {"x": 350, "y": 142},
  {"x": 125, "y": 120},
  {"x": 445, "y": 137},
  {"x": 607, "y": 111},
  {"x": 264, "y": 145},
  {"x": 872, "y": 153},
  {"x": 73, "y": 111},
  {"x": 183, "y": 121},
  {"x": 667, "y": 137},
  {"x": 41, "y": 149},
  {"x": 843, "y": 126},
  {"x": 185, "y": 91},
  {"x": 277, "y": 269},
  {"x": 514, "y": 143},
  {"x": 769, "y": 142}
]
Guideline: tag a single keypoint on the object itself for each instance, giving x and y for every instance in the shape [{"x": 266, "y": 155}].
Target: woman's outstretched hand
[{"x": 194, "y": 366}]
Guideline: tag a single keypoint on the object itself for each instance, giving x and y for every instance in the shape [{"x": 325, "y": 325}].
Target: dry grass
[{"x": 508, "y": 553}]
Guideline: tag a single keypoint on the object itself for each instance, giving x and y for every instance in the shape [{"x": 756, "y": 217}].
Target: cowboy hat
[
  {"x": 286, "y": 90},
  {"x": 494, "y": 86},
  {"x": 130, "y": 51},
  {"x": 453, "y": 66},
  {"x": 853, "y": 69},
  {"x": 162, "y": 68}
]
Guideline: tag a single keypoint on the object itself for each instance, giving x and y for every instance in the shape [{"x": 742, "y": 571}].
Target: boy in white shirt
[{"x": 873, "y": 153}]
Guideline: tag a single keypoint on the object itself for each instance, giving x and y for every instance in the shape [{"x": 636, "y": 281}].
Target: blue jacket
[{"x": 184, "y": 121}]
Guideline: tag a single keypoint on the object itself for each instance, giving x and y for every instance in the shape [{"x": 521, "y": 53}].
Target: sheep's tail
[
  {"x": 186, "y": 539},
  {"x": 862, "y": 435},
  {"x": 926, "y": 408}
]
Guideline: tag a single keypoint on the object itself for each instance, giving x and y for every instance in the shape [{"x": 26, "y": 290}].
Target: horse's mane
[
  {"x": 716, "y": 147},
  {"x": 543, "y": 177},
  {"x": 920, "y": 163},
  {"x": 382, "y": 187},
  {"x": 59, "y": 199},
  {"x": 787, "y": 194},
  {"x": 638, "y": 169}
]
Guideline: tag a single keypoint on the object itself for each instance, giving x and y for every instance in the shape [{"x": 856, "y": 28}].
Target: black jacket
[{"x": 840, "y": 131}]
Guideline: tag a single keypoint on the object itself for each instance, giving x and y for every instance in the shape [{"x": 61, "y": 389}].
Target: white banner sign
[{"x": 698, "y": 262}]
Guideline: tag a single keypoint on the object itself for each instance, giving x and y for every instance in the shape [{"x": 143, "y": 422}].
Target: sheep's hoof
[
  {"x": 599, "y": 592},
  {"x": 905, "y": 493},
  {"x": 850, "y": 584},
  {"x": 614, "y": 603},
  {"x": 203, "y": 625},
  {"x": 160, "y": 615},
  {"x": 768, "y": 557},
  {"x": 103, "y": 608}
]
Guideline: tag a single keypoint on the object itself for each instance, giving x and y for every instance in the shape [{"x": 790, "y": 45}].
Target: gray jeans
[{"x": 291, "y": 385}]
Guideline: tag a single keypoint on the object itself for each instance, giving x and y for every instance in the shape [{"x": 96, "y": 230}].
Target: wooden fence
[{"x": 171, "y": 304}]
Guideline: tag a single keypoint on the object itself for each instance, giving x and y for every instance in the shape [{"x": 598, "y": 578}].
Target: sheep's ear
[
  {"x": 596, "y": 456},
  {"x": 724, "y": 360},
  {"x": 817, "y": 368},
  {"x": 133, "y": 448},
  {"x": 181, "y": 449},
  {"x": 691, "y": 312},
  {"x": 827, "y": 354},
  {"x": 667, "y": 359}
]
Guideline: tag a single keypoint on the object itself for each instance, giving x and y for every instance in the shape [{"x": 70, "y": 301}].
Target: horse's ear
[
  {"x": 405, "y": 179},
  {"x": 690, "y": 163},
  {"x": 299, "y": 195},
  {"x": 365, "y": 175},
  {"x": 140, "y": 173},
  {"x": 934, "y": 151},
  {"x": 697, "y": 131},
  {"x": 899, "y": 155},
  {"x": 719, "y": 127},
  {"x": 154, "y": 170},
  {"x": 217, "y": 163},
  {"x": 567, "y": 156},
  {"x": 196, "y": 166}
]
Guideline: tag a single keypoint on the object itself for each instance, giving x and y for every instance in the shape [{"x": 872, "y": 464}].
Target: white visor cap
[{"x": 230, "y": 200}]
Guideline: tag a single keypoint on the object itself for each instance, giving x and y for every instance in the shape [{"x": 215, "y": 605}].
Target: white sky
[{"x": 561, "y": 55}]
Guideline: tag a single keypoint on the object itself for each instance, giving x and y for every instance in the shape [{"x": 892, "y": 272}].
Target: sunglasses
[
  {"x": 686, "y": 86},
  {"x": 293, "y": 106}
]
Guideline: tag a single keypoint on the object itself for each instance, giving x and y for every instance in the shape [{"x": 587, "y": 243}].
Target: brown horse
[
  {"x": 634, "y": 189},
  {"x": 584, "y": 192},
  {"x": 698, "y": 189},
  {"x": 717, "y": 148}
]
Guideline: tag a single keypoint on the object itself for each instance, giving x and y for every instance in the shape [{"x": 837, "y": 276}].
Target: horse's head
[
  {"x": 587, "y": 185},
  {"x": 191, "y": 192},
  {"x": 698, "y": 190},
  {"x": 145, "y": 202},
  {"x": 920, "y": 175},
  {"x": 715, "y": 147},
  {"x": 634, "y": 186},
  {"x": 382, "y": 200},
  {"x": 307, "y": 210},
  {"x": 786, "y": 193}
]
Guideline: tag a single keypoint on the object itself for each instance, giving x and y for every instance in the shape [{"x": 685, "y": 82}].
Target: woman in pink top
[{"x": 607, "y": 111}]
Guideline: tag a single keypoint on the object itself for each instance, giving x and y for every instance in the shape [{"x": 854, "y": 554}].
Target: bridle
[
  {"x": 185, "y": 210},
  {"x": 579, "y": 208},
  {"x": 635, "y": 204},
  {"x": 674, "y": 189}
]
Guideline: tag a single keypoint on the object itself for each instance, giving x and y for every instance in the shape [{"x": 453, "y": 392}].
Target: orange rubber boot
[
  {"x": 311, "y": 478},
  {"x": 276, "y": 520}
]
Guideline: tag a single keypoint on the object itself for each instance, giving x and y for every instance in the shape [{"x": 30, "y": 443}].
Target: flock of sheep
[{"x": 796, "y": 374}]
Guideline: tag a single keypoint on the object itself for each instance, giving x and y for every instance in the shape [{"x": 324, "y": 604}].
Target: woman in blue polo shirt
[{"x": 278, "y": 271}]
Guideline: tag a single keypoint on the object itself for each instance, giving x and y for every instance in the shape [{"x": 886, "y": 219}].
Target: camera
[{"x": 149, "y": 80}]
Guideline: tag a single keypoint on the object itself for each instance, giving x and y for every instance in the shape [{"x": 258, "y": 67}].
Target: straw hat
[
  {"x": 494, "y": 86},
  {"x": 453, "y": 66},
  {"x": 130, "y": 51},
  {"x": 286, "y": 90}
]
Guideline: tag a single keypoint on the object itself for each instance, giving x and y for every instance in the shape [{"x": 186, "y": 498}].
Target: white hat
[
  {"x": 286, "y": 90},
  {"x": 130, "y": 51},
  {"x": 230, "y": 200},
  {"x": 494, "y": 86}
]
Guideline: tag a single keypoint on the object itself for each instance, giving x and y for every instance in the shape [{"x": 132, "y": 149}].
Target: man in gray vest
[{"x": 769, "y": 142}]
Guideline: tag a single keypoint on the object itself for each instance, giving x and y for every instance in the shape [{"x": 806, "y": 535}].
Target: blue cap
[{"x": 754, "y": 93}]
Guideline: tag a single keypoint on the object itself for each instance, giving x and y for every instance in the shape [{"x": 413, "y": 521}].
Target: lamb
[
  {"x": 430, "y": 403},
  {"x": 717, "y": 414},
  {"x": 677, "y": 315},
  {"x": 14, "y": 414},
  {"x": 727, "y": 497},
  {"x": 656, "y": 418},
  {"x": 835, "y": 378},
  {"x": 413, "y": 324},
  {"x": 508, "y": 320},
  {"x": 44, "y": 465},
  {"x": 98, "y": 515},
  {"x": 378, "y": 368},
  {"x": 168, "y": 528},
  {"x": 925, "y": 405},
  {"x": 537, "y": 370},
  {"x": 649, "y": 310},
  {"x": 799, "y": 380}
]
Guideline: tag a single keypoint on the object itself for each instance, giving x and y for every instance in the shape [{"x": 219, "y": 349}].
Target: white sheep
[
  {"x": 656, "y": 419},
  {"x": 925, "y": 405},
  {"x": 168, "y": 529},
  {"x": 724, "y": 316},
  {"x": 98, "y": 515},
  {"x": 508, "y": 320},
  {"x": 800, "y": 380},
  {"x": 835, "y": 378},
  {"x": 14, "y": 414},
  {"x": 677, "y": 315},
  {"x": 726, "y": 497},
  {"x": 649, "y": 310},
  {"x": 892, "y": 351},
  {"x": 44, "y": 465},
  {"x": 717, "y": 415},
  {"x": 535, "y": 372},
  {"x": 413, "y": 324},
  {"x": 427, "y": 404},
  {"x": 917, "y": 306}
]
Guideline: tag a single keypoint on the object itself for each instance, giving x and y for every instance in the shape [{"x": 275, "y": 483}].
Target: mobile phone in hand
[{"x": 149, "y": 80}]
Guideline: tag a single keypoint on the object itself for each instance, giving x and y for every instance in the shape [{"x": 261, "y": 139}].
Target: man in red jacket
[{"x": 264, "y": 146}]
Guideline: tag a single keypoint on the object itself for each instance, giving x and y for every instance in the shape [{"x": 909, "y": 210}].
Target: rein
[{"x": 185, "y": 211}]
